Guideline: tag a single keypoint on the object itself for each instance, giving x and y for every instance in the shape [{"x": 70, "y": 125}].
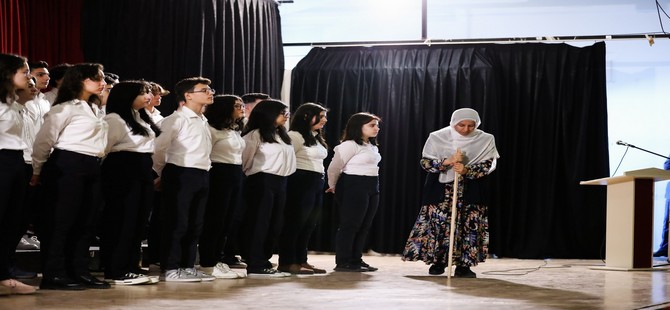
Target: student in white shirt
[
  {"x": 268, "y": 159},
  {"x": 32, "y": 120},
  {"x": 158, "y": 92},
  {"x": 127, "y": 181},
  {"x": 111, "y": 80},
  {"x": 353, "y": 176},
  {"x": 56, "y": 74},
  {"x": 14, "y": 74},
  {"x": 181, "y": 160},
  {"x": 154, "y": 225},
  {"x": 305, "y": 189},
  {"x": 219, "y": 235},
  {"x": 70, "y": 175},
  {"x": 251, "y": 100}
]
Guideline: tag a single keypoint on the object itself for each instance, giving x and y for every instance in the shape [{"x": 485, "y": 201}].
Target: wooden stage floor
[{"x": 501, "y": 284}]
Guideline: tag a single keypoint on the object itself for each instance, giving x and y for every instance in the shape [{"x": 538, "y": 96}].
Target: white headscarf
[{"x": 476, "y": 147}]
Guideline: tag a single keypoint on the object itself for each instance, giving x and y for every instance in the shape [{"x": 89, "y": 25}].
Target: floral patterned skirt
[{"x": 429, "y": 239}]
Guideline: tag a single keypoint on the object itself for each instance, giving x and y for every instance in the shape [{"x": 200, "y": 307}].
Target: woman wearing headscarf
[{"x": 460, "y": 149}]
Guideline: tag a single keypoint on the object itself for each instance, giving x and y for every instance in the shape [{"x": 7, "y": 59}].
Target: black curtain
[
  {"x": 235, "y": 43},
  {"x": 545, "y": 104}
]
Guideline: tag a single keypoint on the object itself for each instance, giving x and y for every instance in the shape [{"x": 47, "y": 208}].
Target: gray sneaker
[
  {"x": 203, "y": 276},
  {"x": 179, "y": 275}
]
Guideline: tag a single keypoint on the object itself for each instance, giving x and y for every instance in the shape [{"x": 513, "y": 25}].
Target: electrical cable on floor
[{"x": 516, "y": 271}]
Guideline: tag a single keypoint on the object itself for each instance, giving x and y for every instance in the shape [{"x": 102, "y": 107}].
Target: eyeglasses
[
  {"x": 239, "y": 106},
  {"x": 204, "y": 90},
  {"x": 287, "y": 114}
]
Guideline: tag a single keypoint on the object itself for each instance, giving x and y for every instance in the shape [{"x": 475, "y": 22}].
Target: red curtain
[
  {"x": 53, "y": 31},
  {"x": 48, "y": 30},
  {"x": 12, "y": 26}
]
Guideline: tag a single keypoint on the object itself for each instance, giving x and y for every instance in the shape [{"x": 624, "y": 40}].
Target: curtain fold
[
  {"x": 12, "y": 27},
  {"x": 235, "y": 43},
  {"x": 544, "y": 103},
  {"x": 53, "y": 31}
]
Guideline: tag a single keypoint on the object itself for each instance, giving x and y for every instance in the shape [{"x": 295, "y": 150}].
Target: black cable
[
  {"x": 658, "y": 12},
  {"x": 661, "y": 7},
  {"x": 622, "y": 157}
]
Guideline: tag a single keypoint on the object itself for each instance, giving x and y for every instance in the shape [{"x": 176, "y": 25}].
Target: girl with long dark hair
[
  {"x": 268, "y": 159},
  {"x": 305, "y": 188},
  {"x": 14, "y": 74},
  {"x": 219, "y": 234},
  {"x": 353, "y": 175},
  {"x": 127, "y": 181},
  {"x": 77, "y": 134}
]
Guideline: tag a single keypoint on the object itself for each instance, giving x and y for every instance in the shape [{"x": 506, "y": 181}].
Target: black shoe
[
  {"x": 464, "y": 272},
  {"x": 139, "y": 270},
  {"x": 661, "y": 253},
  {"x": 61, "y": 283},
  {"x": 370, "y": 268},
  {"x": 90, "y": 281},
  {"x": 436, "y": 269},
  {"x": 350, "y": 268},
  {"x": 234, "y": 262},
  {"x": 17, "y": 273}
]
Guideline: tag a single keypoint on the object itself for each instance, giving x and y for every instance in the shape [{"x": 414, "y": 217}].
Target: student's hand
[
  {"x": 460, "y": 168},
  {"x": 330, "y": 190},
  {"x": 157, "y": 184},
  {"x": 34, "y": 180}
]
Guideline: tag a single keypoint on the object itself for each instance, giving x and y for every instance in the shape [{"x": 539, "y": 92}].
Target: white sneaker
[
  {"x": 34, "y": 241},
  {"x": 203, "y": 276},
  {"x": 222, "y": 271},
  {"x": 179, "y": 275},
  {"x": 152, "y": 279},
  {"x": 131, "y": 279},
  {"x": 26, "y": 244}
]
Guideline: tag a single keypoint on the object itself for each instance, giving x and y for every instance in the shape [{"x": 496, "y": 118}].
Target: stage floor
[{"x": 501, "y": 284}]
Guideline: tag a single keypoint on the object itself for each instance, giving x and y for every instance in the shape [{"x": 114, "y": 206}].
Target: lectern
[{"x": 630, "y": 213}]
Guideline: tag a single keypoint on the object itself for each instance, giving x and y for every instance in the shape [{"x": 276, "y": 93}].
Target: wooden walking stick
[{"x": 452, "y": 226}]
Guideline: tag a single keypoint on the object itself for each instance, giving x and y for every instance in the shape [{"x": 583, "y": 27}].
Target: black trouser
[
  {"x": 12, "y": 190},
  {"x": 154, "y": 230},
  {"x": 71, "y": 183},
  {"x": 357, "y": 198},
  {"x": 664, "y": 239},
  {"x": 127, "y": 187},
  {"x": 219, "y": 231},
  {"x": 184, "y": 198},
  {"x": 303, "y": 209},
  {"x": 265, "y": 196}
]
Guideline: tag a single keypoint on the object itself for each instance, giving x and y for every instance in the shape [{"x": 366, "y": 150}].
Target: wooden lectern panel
[{"x": 630, "y": 208}]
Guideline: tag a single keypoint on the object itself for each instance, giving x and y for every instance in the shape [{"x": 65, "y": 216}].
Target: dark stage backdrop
[
  {"x": 544, "y": 103},
  {"x": 235, "y": 43}
]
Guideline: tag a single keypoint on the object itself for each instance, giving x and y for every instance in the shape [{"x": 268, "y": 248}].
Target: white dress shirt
[
  {"x": 75, "y": 126},
  {"x": 273, "y": 158},
  {"x": 185, "y": 141},
  {"x": 122, "y": 138},
  {"x": 308, "y": 158},
  {"x": 353, "y": 159},
  {"x": 11, "y": 126},
  {"x": 33, "y": 117},
  {"x": 51, "y": 95},
  {"x": 227, "y": 146},
  {"x": 155, "y": 115}
]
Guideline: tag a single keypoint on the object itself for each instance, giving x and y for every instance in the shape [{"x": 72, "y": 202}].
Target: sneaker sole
[
  {"x": 262, "y": 275},
  {"x": 131, "y": 282}
]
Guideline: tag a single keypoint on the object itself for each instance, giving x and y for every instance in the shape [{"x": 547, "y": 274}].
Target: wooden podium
[{"x": 630, "y": 214}]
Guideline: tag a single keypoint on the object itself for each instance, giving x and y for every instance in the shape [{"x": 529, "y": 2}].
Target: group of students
[{"x": 228, "y": 184}]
